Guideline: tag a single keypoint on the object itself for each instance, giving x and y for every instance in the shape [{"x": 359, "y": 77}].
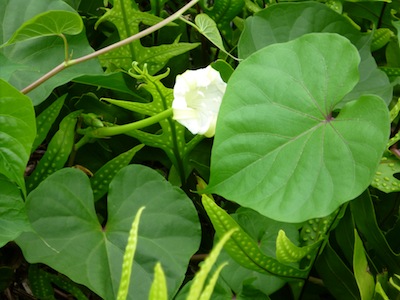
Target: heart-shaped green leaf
[
  {"x": 63, "y": 216},
  {"x": 207, "y": 27},
  {"x": 279, "y": 147},
  {"x": 54, "y": 22},
  {"x": 17, "y": 132}
]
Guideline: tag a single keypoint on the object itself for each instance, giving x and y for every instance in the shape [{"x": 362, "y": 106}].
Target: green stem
[
  {"x": 121, "y": 129},
  {"x": 83, "y": 141},
  {"x": 124, "y": 42},
  {"x": 66, "y": 54},
  {"x": 190, "y": 23}
]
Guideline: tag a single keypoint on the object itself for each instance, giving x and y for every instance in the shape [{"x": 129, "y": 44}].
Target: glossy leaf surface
[
  {"x": 13, "y": 218},
  {"x": 268, "y": 27},
  {"x": 279, "y": 148},
  {"x": 65, "y": 201},
  {"x": 48, "y": 23},
  {"x": 209, "y": 29},
  {"x": 28, "y": 60},
  {"x": 17, "y": 132}
]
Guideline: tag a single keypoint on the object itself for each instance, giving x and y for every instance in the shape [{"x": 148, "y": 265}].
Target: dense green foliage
[{"x": 303, "y": 195}]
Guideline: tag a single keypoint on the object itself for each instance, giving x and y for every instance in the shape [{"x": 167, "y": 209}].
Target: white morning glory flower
[{"x": 197, "y": 98}]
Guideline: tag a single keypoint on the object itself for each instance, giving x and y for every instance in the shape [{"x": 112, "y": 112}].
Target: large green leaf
[
  {"x": 13, "y": 218},
  {"x": 17, "y": 132},
  {"x": 286, "y": 21},
  {"x": 70, "y": 239},
  {"x": 35, "y": 57},
  {"x": 279, "y": 148}
]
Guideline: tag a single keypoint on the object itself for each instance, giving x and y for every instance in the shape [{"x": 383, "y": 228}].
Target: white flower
[{"x": 197, "y": 98}]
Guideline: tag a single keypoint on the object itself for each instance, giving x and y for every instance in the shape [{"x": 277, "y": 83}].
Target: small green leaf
[
  {"x": 287, "y": 252},
  {"x": 364, "y": 278},
  {"x": 129, "y": 254},
  {"x": 242, "y": 248},
  {"x": 57, "y": 152},
  {"x": 54, "y": 22},
  {"x": 209, "y": 29},
  {"x": 196, "y": 289},
  {"x": 158, "y": 290},
  {"x": 17, "y": 133},
  {"x": 102, "y": 178},
  {"x": 46, "y": 119}
]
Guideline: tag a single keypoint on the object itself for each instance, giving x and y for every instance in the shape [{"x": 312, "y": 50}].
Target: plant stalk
[{"x": 121, "y": 129}]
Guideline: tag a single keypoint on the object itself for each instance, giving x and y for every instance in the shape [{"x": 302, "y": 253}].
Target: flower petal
[{"x": 197, "y": 98}]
